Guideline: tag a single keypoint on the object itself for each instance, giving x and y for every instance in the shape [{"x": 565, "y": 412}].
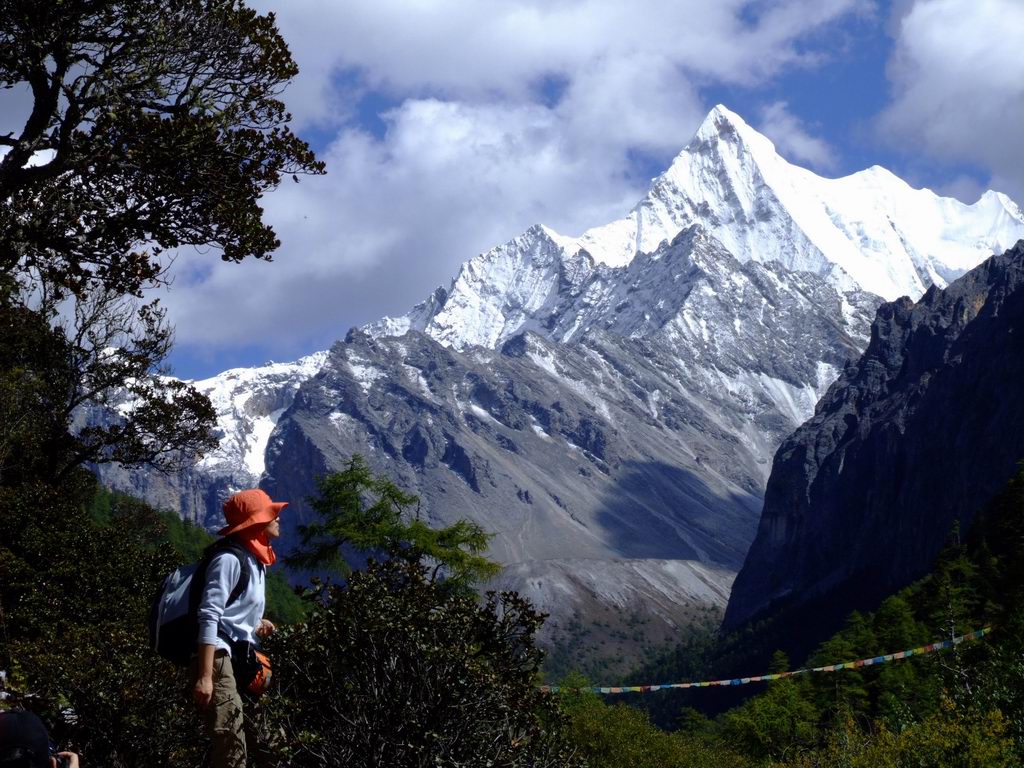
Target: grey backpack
[{"x": 173, "y": 620}]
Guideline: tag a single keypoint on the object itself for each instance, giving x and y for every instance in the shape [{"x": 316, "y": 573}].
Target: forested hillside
[{"x": 959, "y": 707}]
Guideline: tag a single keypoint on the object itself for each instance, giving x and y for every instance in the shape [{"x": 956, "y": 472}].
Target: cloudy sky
[{"x": 449, "y": 126}]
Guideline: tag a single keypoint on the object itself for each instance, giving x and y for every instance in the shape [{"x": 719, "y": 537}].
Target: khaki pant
[{"x": 226, "y": 726}]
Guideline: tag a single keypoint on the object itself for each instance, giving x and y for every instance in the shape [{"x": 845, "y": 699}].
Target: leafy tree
[
  {"x": 689, "y": 659},
  {"x": 950, "y": 739},
  {"x": 774, "y": 724},
  {"x": 906, "y": 693},
  {"x": 78, "y": 568},
  {"x": 153, "y": 124},
  {"x": 957, "y": 737},
  {"x": 73, "y": 601},
  {"x": 391, "y": 669},
  {"x": 999, "y": 683},
  {"x": 371, "y": 514},
  {"x": 952, "y": 589},
  {"x": 103, "y": 358},
  {"x": 150, "y": 125},
  {"x": 846, "y": 691},
  {"x": 895, "y": 627}
]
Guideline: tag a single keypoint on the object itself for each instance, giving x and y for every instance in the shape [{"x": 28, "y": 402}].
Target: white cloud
[
  {"x": 397, "y": 216},
  {"x": 958, "y": 80},
  {"x": 476, "y": 149},
  {"x": 465, "y": 49},
  {"x": 792, "y": 139}
]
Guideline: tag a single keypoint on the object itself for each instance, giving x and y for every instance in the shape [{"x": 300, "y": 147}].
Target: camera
[{"x": 62, "y": 761}]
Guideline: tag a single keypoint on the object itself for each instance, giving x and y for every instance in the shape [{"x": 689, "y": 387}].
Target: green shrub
[
  {"x": 621, "y": 736},
  {"x": 74, "y": 597},
  {"x": 392, "y": 669}
]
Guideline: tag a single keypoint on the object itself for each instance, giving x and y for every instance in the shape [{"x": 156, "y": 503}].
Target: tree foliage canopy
[
  {"x": 153, "y": 124},
  {"x": 50, "y": 374},
  {"x": 958, "y": 707},
  {"x": 141, "y": 127},
  {"x": 78, "y": 568},
  {"x": 391, "y": 669},
  {"x": 73, "y": 601}
]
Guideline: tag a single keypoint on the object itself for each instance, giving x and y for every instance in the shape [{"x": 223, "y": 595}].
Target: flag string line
[{"x": 868, "y": 662}]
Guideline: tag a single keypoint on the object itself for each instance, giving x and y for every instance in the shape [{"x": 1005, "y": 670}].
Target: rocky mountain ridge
[
  {"x": 631, "y": 456},
  {"x": 248, "y": 403},
  {"x": 912, "y": 439}
]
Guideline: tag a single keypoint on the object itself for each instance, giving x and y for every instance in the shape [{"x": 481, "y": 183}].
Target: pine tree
[{"x": 369, "y": 513}]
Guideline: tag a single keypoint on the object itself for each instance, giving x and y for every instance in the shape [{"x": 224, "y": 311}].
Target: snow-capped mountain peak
[
  {"x": 724, "y": 127},
  {"x": 718, "y": 180},
  {"x": 869, "y": 231}
]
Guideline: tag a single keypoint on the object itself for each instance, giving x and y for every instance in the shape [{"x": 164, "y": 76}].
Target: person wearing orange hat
[{"x": 252, "y": 521}]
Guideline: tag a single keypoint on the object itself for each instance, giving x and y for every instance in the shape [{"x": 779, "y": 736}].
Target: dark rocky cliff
[{"x": 914, "y": 437}]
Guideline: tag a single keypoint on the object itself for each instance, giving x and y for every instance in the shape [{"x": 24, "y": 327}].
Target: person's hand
[
  {"x": 70, "y": 759},
  {"x": 202, "y": 691},
  {"x": 265, "y": 628}
]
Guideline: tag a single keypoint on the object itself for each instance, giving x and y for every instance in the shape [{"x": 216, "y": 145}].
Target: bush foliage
[
  {"x": 392, "y": 663},
  {"x": 393, "y": 669},
  {"x": 74, "y": 595}
]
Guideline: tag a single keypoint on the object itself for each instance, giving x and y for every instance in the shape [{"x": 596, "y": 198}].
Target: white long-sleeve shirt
[{"x": 240, "y": 619}]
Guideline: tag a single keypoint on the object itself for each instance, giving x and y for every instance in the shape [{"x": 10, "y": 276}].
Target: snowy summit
[{"x": 869, "y": 231}]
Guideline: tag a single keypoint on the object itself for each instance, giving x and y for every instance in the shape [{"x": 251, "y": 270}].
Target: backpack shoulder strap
[
  {"x": 226, "y": 544},
  {"x": 240, "y": 552}
]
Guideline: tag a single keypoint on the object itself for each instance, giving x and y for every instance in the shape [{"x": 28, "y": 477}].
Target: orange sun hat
[{"x": 248, "y": 508}]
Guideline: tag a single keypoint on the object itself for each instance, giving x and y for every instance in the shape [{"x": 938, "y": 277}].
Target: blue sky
[{"x": 449, "y": 126}]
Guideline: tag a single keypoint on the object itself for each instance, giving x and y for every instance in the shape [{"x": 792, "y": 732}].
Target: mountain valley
[{"x": 608, "y": 405}]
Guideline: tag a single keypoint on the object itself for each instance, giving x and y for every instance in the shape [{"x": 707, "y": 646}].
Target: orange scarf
[{"x": 256, "y": 541}]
